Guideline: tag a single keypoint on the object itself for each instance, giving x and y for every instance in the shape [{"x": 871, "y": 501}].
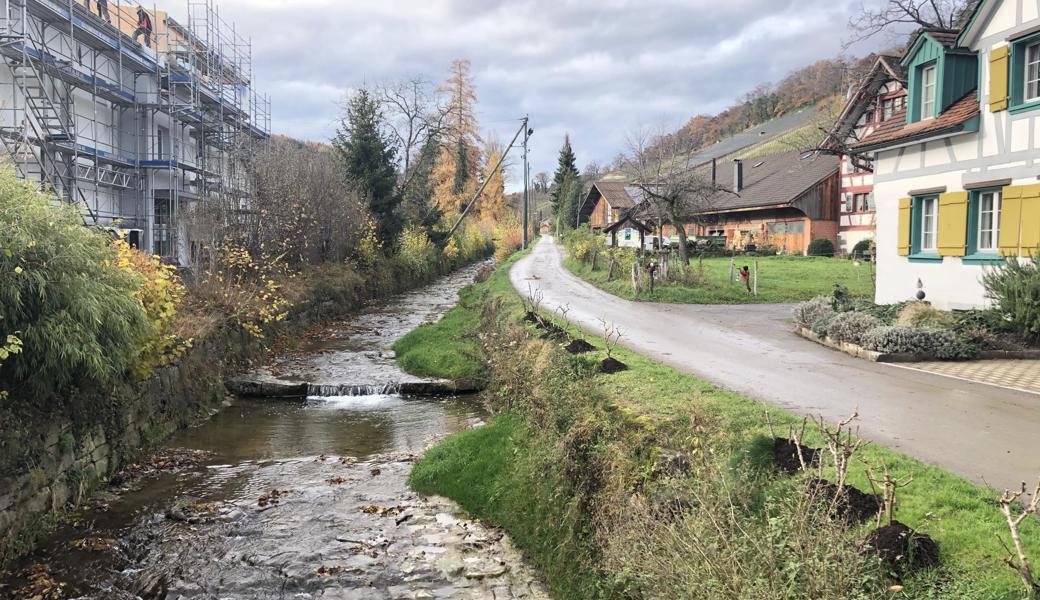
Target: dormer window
[
  {"x": 1032, "y": 74},
  {"x": 929, "y": 88}
]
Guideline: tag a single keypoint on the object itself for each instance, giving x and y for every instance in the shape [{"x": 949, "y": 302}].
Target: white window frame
[
  {"x": 928, "y": 104},
  {"x": 1031, "y": 48},
  {"x": 929, "y": 224},
  {"x": 994, "y": 224}
]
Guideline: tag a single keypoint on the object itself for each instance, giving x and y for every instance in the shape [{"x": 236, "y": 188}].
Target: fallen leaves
[
  {"x": 336, "y": 481},
  {"x": 40, "y": 586},
  {"x": 94, "y": 544},
  {"x": 272, "y": 498},
  {"x": 390, "y": 511}
]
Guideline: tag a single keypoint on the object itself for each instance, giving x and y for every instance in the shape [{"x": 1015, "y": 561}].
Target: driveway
[{"x": 983, "y": 433}]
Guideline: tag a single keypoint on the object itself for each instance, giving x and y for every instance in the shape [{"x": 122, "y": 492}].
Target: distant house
[
  {"x": 879, "y": 97},
  {"x": 956, "y": 171},
  {"x": 606, "y": 202},
  {"x": 784, "y": 201}
]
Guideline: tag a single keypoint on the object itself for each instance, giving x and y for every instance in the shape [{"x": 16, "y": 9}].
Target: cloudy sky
[{"x": 598, "y": 70}]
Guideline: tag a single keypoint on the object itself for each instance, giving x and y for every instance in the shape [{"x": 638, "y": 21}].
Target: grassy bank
[
  {"x": 781, "y": 279},
  {"x": 580, "y": 468}
]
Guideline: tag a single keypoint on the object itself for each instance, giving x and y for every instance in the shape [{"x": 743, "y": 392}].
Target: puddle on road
[{"x": 301, "y": 499}]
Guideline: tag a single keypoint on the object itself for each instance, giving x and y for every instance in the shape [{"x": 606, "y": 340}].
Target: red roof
[{"x": 896, "y": 129}]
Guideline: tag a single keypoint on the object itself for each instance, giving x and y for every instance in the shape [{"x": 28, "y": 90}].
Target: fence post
[
  {"x": 732, "y": 266},
  {"x": 756, "y": 277}
]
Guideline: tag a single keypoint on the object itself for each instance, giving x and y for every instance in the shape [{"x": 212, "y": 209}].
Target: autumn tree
[
  {"x": 494, "y": 204},
  {"x": 457, "y": 165},
  {"x": 369, "y": 159}
]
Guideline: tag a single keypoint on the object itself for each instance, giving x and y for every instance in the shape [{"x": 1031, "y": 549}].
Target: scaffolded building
[{"x": 134, "y": 129}]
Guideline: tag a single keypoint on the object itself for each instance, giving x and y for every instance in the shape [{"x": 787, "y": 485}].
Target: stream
[{"x": 294, "y": 498}]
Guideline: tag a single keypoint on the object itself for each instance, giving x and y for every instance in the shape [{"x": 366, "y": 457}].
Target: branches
[
  {"x": 889, "y": 486},
  {"x": 611, "y": 337},
  {"x": 928, "y": 14},
  {"x": 841, "y": 445},
  {"x": 1015, "y": 517}
]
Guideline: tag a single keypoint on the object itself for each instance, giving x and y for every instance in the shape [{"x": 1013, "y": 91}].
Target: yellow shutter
[
  {"x": 1030, "y": 241},
  {"x": 1010, "y": 220},
  {"x": 905, "y": 206},
  {"x": 998, "y": 79},
  {"x": 953, "y": 224}
]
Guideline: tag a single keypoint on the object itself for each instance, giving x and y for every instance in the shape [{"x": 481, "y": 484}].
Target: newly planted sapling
[{"x": 1015, "y": 515}]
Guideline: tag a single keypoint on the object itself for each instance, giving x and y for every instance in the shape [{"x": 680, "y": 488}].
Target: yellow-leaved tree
[{"x": 160, "y": 294}]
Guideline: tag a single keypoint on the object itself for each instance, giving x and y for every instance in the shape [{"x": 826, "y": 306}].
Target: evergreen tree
[
  {"x": 368, "y": 157},
  {"x": 567, "y": 166},
  {"x": 569, "y": 194}
]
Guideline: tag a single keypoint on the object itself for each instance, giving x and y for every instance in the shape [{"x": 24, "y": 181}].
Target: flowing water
[{"x": 294, "y": 499}]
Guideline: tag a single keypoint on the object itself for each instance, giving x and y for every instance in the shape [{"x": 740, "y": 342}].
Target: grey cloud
[{"x": 596, "y": 70}]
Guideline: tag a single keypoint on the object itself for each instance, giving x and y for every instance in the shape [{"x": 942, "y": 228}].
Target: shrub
[
  {"x": 862, "y": 248},
  {"x": 160, "y": 295},
  {"x": 852, "y": 327},
  {"x": 821, "y": 247},
  {"x": 417, "y": 252},
  {"x": 812, "y": 311},
  {"x": 1014, "y": 290},
  {"x": 940, "y": 343},
  {"x": 926, "y": 316},
  {"x": 60, "y": 290}
]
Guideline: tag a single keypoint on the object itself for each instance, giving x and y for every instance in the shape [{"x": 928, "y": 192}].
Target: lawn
[
  {"x": 781, "y": 279},
  {"x": 479, "y": 468}
]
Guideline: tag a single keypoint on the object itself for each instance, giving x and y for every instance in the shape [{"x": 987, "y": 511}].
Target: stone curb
[{"x": 860, "y": 352}]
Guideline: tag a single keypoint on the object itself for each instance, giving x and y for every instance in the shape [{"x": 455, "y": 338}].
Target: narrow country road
[{"x": 984, "y": 433}]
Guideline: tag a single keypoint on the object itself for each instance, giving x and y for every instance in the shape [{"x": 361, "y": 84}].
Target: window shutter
[
  {"x": 905, "y": 205},
  {"x": 1010, "y": 220},
  {"x": 953, "y": 224},
  {"x": 998, "y": 79},
  {"x": 1030, "y": 228}
]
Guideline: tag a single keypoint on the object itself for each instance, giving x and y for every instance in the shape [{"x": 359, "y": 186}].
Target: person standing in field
[
  {"x": 745, "y": 276},
  {"x": 144, "y": 26}
]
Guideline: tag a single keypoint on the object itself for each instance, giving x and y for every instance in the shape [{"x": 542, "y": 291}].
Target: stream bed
[{"x": 293, "y": 498}]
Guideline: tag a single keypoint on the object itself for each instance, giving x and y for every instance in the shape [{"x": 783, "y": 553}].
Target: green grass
[
  {"x": 781, "y": 279},
  {"x": 484, "y": 470},
  {"x": 450, "y": 348}
]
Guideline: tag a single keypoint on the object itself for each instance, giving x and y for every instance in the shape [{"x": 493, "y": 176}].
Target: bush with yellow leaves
[
  {"x": 245, "y": 288},
  {"x": 160, "y": 294}
]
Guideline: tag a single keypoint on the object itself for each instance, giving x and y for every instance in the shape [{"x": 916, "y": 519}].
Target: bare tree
[
  {"x": 675, "y": 188},
  {"x": 870, "y": 21},
  {"x": 414, "y": 115}
]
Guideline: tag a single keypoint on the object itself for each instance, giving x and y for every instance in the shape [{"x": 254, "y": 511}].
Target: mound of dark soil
[
  {"x": 530, "y": 317},
  {"x": 579, "y": 347},
  {"x": 903, "y": 549},
  {"x": 785, "y": 454},
  {"x": 612, "y": 365},
  {"x": 854, "y": 506}
]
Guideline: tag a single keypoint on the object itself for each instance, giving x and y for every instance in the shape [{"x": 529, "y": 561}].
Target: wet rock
[{"x": 262, "y": 384}]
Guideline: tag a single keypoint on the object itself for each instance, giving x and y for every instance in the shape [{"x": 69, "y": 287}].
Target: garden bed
[{"x": 902, "y": 357}]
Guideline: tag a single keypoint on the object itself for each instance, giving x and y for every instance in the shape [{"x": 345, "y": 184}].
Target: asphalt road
[{"x": 984, "y": 433}]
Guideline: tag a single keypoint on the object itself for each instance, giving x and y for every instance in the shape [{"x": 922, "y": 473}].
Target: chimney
[
  {"x": 738, "y": 175},
  {"x": 714, "y": 173}
]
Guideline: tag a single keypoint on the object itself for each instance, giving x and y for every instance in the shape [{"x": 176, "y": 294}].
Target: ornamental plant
[
  {"x": 76, "y": 313},
  {"x": 1014, "y": 290}
]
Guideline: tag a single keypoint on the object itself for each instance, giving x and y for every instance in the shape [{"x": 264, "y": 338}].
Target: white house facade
[{"x": 956, "y": 180}]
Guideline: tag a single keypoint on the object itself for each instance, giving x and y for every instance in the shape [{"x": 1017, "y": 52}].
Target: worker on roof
[{"x": 144, "y": 26}]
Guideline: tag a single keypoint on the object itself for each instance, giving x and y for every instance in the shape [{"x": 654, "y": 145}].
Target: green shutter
[
  {"x": 953, "y": 224},
  {"x": 905, "y": 209},
  {"x": 998, "y": 79}
]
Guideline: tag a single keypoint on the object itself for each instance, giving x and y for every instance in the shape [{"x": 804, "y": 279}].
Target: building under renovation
[{"x": 129, "y": 113}]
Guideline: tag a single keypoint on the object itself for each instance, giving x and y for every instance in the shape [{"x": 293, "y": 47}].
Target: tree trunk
[
  {"x": 684, "y": 251},
  {"x": 610, "y": 271}
]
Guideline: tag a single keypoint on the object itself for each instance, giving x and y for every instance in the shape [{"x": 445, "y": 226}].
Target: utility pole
[
  {"x": 527, "y": 197},
  {"x": 512, "y": 144}
]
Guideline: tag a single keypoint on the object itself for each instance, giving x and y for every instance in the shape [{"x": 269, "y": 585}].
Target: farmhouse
[
  {"x": 955, "y": 172},
  {"x": 879, "y": 98},
  {"x": 782, "y": 201},
  {"x": 606, "y": 202}
]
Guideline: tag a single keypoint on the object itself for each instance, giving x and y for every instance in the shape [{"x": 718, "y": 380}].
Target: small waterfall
[{"x": 328, "y": 391}]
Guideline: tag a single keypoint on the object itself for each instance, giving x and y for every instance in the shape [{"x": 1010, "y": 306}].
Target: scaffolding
[{"x": 131, "y": 126}]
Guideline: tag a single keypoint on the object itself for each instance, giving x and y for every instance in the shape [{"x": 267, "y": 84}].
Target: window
[
  {"x": 1032, "y": 74},
  {"x": 989, "y": 221},
  {"x": 928, "y": 91},
  {"x": 929, "y": 223}
]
